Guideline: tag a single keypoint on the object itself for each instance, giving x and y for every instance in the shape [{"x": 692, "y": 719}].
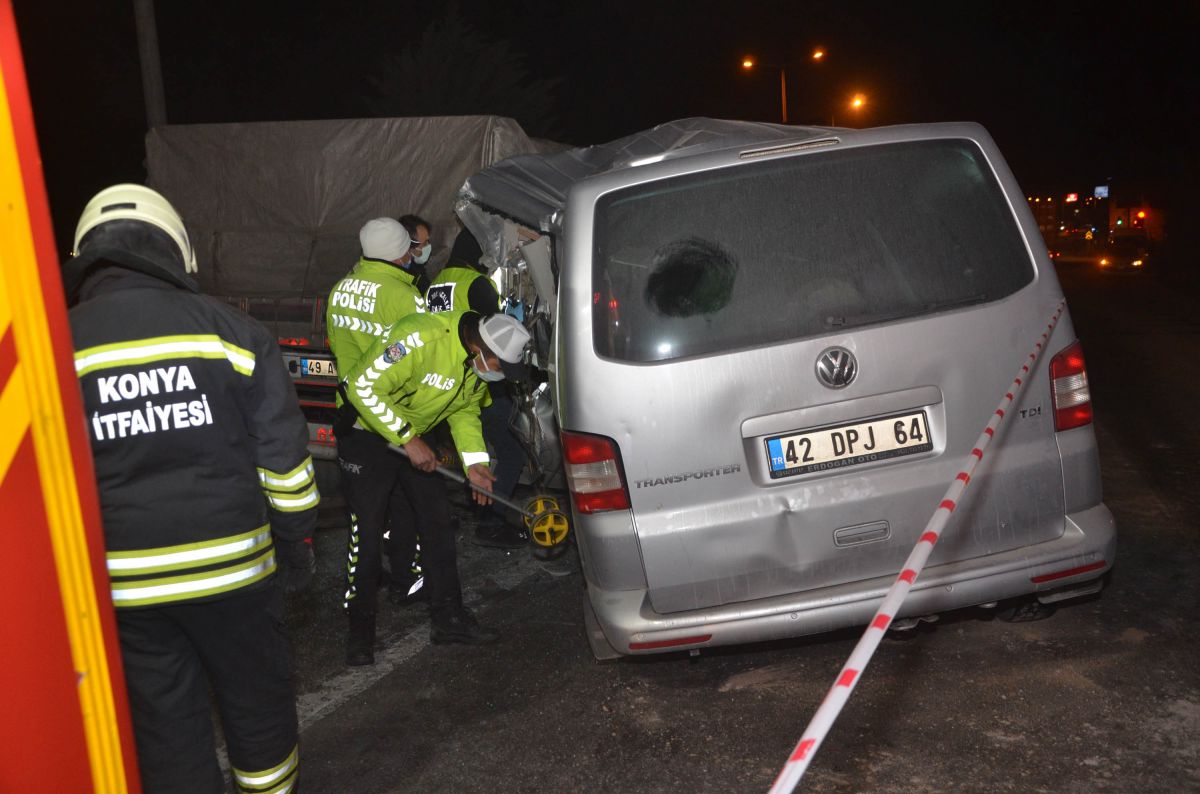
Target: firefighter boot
[{"x": 360, "y": 647}]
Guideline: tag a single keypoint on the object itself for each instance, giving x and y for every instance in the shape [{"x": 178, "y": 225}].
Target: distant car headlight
[{"x": 1137, "y": 263}]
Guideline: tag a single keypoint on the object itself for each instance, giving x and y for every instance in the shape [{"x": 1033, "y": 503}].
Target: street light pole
[
  {"x": 783, "y": 94},
  {"x": 749, "y": 62},
  {"x": 152, "y": 79}
]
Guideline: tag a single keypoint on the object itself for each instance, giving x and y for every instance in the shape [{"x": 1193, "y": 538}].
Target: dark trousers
[
  {"x": 380, "y": 484},
  {"x": 172, "y": 654},
  {"x": 510, "y": 454}
]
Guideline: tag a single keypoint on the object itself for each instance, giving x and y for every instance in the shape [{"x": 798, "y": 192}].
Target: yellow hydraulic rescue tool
[{"x": 546, "y": 522}]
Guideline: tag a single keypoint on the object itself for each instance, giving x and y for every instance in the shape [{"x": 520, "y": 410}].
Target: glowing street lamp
[
  {"x": 856, "y": 105},
  {"x": 749, "y": 63}
]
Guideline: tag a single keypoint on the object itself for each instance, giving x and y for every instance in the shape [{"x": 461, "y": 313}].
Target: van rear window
[{"x": 775, "y": 250}]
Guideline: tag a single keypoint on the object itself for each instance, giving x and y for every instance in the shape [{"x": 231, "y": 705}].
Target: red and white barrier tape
[{"x": 860, "y": 657}]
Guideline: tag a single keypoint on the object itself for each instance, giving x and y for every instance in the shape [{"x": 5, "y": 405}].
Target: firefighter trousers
[{"x": 172, "y": 653}]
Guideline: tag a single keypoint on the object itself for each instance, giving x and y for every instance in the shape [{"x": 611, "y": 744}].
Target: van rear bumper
[{"x": 1085, "y": 551}]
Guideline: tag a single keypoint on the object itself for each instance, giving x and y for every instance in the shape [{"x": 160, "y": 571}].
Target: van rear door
[{"x": 717, "y": 298}]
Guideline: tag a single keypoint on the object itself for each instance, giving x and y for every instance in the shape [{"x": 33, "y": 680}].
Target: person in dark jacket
[
  {"x": 419, "y": 231},
  {"x": 461, "y": 286},
  {"x": 207, "y": 495}
]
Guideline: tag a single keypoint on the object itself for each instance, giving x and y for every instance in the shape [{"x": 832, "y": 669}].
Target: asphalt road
[{"x": 1102, "y": 696}]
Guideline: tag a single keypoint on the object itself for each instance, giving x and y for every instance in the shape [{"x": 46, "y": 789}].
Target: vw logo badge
[{"x": 837, "y": 367}]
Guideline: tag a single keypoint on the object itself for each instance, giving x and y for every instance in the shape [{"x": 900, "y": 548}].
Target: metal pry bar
[{"x": 451, "y": 474}]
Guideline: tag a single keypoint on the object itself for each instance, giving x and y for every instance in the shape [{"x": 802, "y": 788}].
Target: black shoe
[
  {"x": 405, "y": 596},
  {"x": 360, "y": 647},
  {"x": 500, "y": 535},
  {"x": 459, "y": 627}
]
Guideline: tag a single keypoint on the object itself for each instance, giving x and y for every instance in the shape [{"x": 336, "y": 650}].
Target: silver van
[{"x": 771, "y": 349}]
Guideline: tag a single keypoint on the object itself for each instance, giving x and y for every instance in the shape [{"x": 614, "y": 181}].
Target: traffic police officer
[
  {"x": 432, "y": 367},
  {"x": 380, "y": 486},
  {"x": 207, "y": 494}
]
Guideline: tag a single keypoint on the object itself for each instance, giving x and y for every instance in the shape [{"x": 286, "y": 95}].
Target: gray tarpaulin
[{"x": 273, "y": 209}]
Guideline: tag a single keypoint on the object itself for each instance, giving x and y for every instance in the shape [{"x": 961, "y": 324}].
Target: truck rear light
[
  {"x": 593, "y": 473},
  {"x": 1069, "y": 386}
]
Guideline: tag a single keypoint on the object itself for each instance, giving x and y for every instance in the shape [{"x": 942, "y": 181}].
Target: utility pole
[
  {"x": 783, "y": 95},
  {"x": 152, "y": 82}
]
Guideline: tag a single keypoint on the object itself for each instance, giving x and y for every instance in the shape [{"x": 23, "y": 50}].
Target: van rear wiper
[
  {"x": 879, "y": 317},
  {"x": 954, "y": 304}
]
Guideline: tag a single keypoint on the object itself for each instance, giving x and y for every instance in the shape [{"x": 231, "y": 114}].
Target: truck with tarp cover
[{"x": 273, "y": 210}]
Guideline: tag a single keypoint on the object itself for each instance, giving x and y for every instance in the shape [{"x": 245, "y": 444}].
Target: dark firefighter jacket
[{"x": 199, "y": 444}]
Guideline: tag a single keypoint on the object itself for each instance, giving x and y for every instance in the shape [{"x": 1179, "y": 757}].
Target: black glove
[
  {"x": 344, "y": 420},
  {"x": 296, "y": 564}
]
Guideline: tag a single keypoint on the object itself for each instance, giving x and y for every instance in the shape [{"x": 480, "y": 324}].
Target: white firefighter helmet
[{"x": 136, "y": 203}]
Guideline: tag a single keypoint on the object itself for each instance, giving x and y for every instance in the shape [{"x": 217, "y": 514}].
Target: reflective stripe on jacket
[
  {"x": 363, "y": 307},
  {"x": 192, "y": 570},
  {"x": 421, "y": 376}
]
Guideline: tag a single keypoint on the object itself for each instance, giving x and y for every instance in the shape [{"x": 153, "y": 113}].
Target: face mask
[
  {"x": 423, "y": 257},
  {"x": 487, "y": 373}
]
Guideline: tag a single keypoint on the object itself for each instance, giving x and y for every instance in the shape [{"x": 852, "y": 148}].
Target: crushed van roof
[{"x": 531, "y": 188}]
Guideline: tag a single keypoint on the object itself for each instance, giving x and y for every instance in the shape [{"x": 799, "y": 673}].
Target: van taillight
[
  {"x": 593, "y": 473},
  {"x": 1072, "y": 398}
]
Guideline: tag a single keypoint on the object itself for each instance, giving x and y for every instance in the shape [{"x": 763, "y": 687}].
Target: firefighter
[
  {"x": 431, "y": 367},
  {"x": 463, "y": 284},
  {"x": 207, "y": 494}
]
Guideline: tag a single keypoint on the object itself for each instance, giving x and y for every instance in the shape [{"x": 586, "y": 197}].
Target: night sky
[{"x": 1075, "y": 94}]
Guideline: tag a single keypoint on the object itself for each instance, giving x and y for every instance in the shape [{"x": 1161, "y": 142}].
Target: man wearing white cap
[
  {"x": 380, "y": 290},
  {"x": 431, "y": 367}
]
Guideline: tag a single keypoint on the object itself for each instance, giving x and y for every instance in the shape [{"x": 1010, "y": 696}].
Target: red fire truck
[{"x": 66, "y": 724}]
